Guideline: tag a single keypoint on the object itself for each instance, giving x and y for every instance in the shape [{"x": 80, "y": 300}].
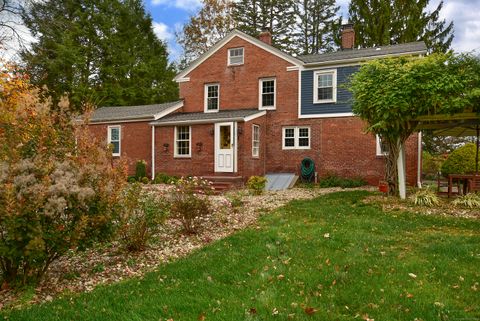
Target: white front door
[{"x": 224, "y": 147}]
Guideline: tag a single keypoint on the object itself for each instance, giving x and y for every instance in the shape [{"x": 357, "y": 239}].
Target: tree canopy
[
  {"x": 389, "y": 94},
  {"x": 385, "y": 22},
  {"x": 98, "y": 51}
]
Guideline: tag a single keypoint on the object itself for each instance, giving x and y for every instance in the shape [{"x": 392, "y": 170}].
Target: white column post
[
  {"x": 401, "y": 171},
  {"x": 153, "y": 152}
]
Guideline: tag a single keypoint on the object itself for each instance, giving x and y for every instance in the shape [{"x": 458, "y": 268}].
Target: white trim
[
  {"x": 260, "y": 93},
  {"x": 168, "y": 110},
  {"x": 184, "y": 79},
  {"x": 419, "y": 161},
  {"x": 293, "y": 68},
  {"x": 334, "y": 86},
  {"x": 254, "y": 116},
  {"x": 229, "y": 56},
  {"x": 379, "y": 151},
  {"x": 332, "y": 115},
  {"x": 109, "y": 138},
  {"x": 361, "y": 59},
  {"x": 253, "y": 141},
  {"x": 205, "y": 98},
  {"x": 232, "y": 150},
  {"x": 296, "y": 137},
  {"x": 401, "y": 170},
  {"x": 226, "y": 39},
  {"x": 359, "y": 63},
  {"x": 120, "y": 121},
  {"x": 175, "y": 154},
  {"x": 300, "y": 92},
  {"x": 153, "y": 153}
]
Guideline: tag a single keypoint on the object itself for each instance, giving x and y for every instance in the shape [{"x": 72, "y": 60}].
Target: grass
[{"x": 332, "y": 258}]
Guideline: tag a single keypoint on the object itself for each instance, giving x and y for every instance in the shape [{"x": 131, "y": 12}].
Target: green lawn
[{"x": 389, "y": 266}]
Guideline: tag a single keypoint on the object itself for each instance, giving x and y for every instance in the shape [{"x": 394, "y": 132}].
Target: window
[
  {"x": 114, "y": 139},
  {"x": 235, "y": 56},
  {"x": 325, "y": 86},
  {"x": 255, "y": 141},
  {"x": 267, "y": 90},
  {"x": 182, "y": 141},
  {"x": 382, "y": 148},
  {"x": 296, "y": 138},
  {"x": 212, "y": 97}
]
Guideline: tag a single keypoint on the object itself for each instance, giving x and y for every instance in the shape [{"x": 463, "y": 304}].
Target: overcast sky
[{"x": 170, "y": 15}]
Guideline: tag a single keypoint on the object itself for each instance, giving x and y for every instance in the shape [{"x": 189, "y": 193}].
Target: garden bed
[{"x": 109, "y": 263}]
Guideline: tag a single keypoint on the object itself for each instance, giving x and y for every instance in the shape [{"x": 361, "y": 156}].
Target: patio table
[{"x": 463, "y": 178}]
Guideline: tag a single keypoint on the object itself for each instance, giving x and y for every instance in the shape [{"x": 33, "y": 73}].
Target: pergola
[{"x": 461, "y": 124}]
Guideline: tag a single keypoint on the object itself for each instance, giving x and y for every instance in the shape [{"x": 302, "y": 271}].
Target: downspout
[
  {"x": 153, "y": 152},
  {"x": 419, "y": 161}
]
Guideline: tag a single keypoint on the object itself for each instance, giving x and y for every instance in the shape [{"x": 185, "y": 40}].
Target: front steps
[{"x": 225, "y": 183}]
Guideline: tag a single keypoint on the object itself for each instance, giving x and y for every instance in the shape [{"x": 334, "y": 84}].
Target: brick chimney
[
  {"x": 348, "y": 36},
  {"x": 266, "y": 36}
]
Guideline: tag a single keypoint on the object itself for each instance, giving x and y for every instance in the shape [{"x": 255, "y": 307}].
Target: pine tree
[
  {"x": 98, "y": 51},
  {"x": 385, "y": 22},
  {"x": 210, "y": 24},
  {"x": 317, "y": 25}
]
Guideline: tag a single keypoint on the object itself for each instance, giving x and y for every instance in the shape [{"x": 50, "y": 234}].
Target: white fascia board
[
  {"x": 332, "y": 115},
  {"x": 342, "y": 62},
  {"x": 168, "y": 111},
  {"x": 255, "y": 116},
  {"x": 119, "y": 121},
  {"x": 236, "y": 33}
]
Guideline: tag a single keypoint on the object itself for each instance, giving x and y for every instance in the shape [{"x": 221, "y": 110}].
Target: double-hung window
[
  {"x": 255, "y": 141},
  {"x": 325, "y": 86},
  {"x": 183, "y": 141},
  {"x": 113, "y": 139},
  {"x": 267, "y": 89},
  {"x": 382, "y": 148},
  {"x": 296, "y": 138},
  {"x": 212, "y": 97},
  {"x": 235, "y": 56}
]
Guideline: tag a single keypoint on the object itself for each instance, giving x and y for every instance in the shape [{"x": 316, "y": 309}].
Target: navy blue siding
[{"x": 344, "y": 96}]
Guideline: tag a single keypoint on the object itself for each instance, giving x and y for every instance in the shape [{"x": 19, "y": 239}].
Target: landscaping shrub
[
  {"x": 190, "y": 202},
  {"x": 332, "y": 180},
  {"x": 256, "y": 184},
  {"x": 460, "y": 161},
  {"x": 145, "y": 180},
  {"x": 431, "y": 164},
  {"x": 143, "y": 215},
  {"x": 162, "y": 178},
  {"x": 236, "y": 201},
  {"x": 131, "y": 179},
  {"x": 470, "y": 200},
  {"x": 140, "y": 170},
  {"x": 58, "y": 189},
  {"x": 425, "y": 197}
]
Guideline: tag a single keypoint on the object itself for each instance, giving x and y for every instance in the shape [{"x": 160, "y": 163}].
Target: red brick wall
[{"x": 135, "y": 142}]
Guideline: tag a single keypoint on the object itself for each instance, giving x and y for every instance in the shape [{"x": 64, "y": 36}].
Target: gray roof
[
  {"x": 353, "y": 54},
  {"x": 122, "y": 113},
  {"x": 223, "y": 115}
]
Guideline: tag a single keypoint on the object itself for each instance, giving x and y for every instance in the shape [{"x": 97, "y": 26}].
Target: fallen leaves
[{"x": 310, "y": 310}]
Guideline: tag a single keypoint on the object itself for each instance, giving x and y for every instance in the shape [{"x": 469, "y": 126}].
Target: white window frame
[
  {"x": 175, "y": 140},
  {"x": 255, "y": 149},
  {"x": 334, "y": 86},
  {"x": 260, "y": 93},
  {"x": 109, "y": 138},
  {"x": 230, "y": 56},
  {"x": 296, "y": 137},
  {"x": 379, "y": 151},
  {"x": 206, "y": 98}
]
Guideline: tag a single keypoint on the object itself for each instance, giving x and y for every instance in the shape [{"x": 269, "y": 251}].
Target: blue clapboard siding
[{"x": 344, "y": 96}]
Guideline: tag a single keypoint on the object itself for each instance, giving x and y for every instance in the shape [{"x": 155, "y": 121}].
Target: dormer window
[
  {"x": 235, "y": 56},
  {"x": 212, "y": 97}
]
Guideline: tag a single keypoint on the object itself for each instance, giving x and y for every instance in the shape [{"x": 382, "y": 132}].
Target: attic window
[{"x": 235, "y": 56}]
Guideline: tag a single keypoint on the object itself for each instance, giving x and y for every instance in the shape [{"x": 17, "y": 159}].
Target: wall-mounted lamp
[
  {"x": 199, "y": 146},
  {"x": 240, "y": 130},
  {"x": 165, "y": 147}
]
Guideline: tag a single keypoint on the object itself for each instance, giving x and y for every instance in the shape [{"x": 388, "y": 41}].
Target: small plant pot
[{"x": 383, "y": 187}]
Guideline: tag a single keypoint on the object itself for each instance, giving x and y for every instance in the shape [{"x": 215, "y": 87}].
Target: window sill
[
  {"x": 325, "y": 101},
  {"x": 295, "y": 148},
  {"x": 211, "y": 111},
  {"x": 267, "y": 108},
  {"x": 235, "y": 65},
  {"x": 182, "y": 156}
]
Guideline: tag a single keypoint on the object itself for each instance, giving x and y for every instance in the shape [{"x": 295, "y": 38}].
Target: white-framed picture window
[
  {"x": 382, "y": 148},
  {"x": 183, "y": 146},
  {"x": 267, "y": 90},
  {"x": 114, "y": 134},
  {"x": 296, "y": 137},
  {"x": 235, "y": 56},
  {"x": 255, "y": 141},
  {"x": 212, "y": 97},
  {"x": 325, "y": 86}
]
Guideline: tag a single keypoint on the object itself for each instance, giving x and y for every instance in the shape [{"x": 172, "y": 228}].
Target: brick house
[{"x": 247, "y": 108}]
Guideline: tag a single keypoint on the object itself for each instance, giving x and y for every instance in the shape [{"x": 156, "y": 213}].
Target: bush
[
  {"x": 143, "y": 215},
  {"x": 431, "y": 164},
  {"x": 140, "y": 170},
  {"x": 471, "y": 200},
  {"x": 145, "y": 180},
  {"x": 460, "y": 161},
  {"x": 425, "y": 197},
  {"x": 131, "y": 179},
  {"x": 256, "y": 184},
  {"x": 236, "y": 201},
  {"x": 332, "y": 180},
  {"x": 190, "y": 203},
  {"x": 58, "y": 189},
  {"x": 162, "y": 178}
]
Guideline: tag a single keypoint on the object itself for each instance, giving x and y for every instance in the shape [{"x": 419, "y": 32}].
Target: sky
[{"x": 170, "y": 15}]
